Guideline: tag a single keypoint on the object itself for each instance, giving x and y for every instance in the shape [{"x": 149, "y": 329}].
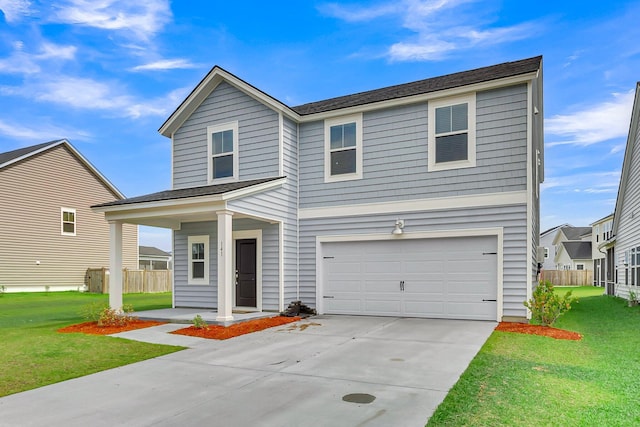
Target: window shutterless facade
[
  {"x": 343, "y": 148},
  {"x": 452, "y": 133},
  {"x": 68, "y": 222},
  {"x": 198, "y": 247},
  {"x": 222, "y": 151}
]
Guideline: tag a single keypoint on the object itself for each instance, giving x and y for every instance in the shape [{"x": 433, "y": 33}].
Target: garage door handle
[
  {"x": 402, "y": 285},
  {"x": 494, "y": 300}
]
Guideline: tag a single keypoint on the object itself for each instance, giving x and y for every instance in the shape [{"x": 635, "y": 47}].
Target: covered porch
[{"x": 220, "y": 259}]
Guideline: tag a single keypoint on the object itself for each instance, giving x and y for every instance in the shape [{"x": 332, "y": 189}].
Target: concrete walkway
[{"x": 301, "y": 374}]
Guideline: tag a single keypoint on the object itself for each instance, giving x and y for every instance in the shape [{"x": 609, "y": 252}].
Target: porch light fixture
[{"x": 399, "y": 226}]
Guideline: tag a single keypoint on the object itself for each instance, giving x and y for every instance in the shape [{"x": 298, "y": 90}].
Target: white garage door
[{"x": 453, "y": 278}]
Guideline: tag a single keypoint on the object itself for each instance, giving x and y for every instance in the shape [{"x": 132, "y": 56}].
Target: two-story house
[
  {"x": 420, "y": 199},
  {"x": 49, "y": 235},
  {"x": 549, "y": 249},
  {"x": 573, "y": 248}
]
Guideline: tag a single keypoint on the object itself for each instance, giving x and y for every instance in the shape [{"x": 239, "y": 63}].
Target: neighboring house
[
  {"x": 602, "y": 231},
  {"x": 625, "y": 243},
  {"x": 420, "y": 199},
  {"x": 573, "y": 248},
  {"x": 152, "y": 258},
  {"x": 49, "y": 236},
  {"x": 546, "y": 243}
]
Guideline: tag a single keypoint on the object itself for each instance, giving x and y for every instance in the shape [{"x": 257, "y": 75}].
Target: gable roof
[
  {"x": 152, "y": 251},
  {"x": 578, "y": 250},
  {"x": 11, "y": 157},
  {"x": 628, "y": 152},
  {"x": 529, "y": 66},
  {"x": 603, "y": 219},
  {"x": 184, "y": 193},
  {"x": 557, "y": 227},
  {"x": 575, "y": 233}
]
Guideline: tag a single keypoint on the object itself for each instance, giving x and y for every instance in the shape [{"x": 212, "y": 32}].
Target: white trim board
[
  {"x": 418, "y": 205},
  {"x": 498, "y": 232}
]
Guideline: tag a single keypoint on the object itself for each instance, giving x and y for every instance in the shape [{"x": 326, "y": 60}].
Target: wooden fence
[
  {"x": 568, "y": 277},
  {"x": 133, "y": 281}
]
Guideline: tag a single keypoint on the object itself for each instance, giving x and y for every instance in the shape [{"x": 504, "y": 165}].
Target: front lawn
[
  {"x": 33, "y": 354},
  {"x": 525, "y": 380}
]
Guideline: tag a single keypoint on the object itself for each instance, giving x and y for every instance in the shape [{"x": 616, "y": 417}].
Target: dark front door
[{"x": 246, "y": 273}]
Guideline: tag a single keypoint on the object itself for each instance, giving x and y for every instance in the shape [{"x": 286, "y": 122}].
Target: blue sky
[{"x": 106, "y": 74}]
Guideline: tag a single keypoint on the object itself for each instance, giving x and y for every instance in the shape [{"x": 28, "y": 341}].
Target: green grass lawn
[
  {"x": 523, "y": 380},
  {"x": 33, "y": 354}
]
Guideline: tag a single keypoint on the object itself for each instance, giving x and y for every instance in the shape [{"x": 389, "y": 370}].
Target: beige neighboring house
[
  {"x": 602, "y": 231},
  {"x": 152, "y": 258},
  {"x": 573, "y": 248},
  {"x": 48, "y": 234}
]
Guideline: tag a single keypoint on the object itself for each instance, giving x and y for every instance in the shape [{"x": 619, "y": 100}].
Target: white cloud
[
  {"x": 88, "y": 94},
  {"x": 590, "y": 182},
  {"x": 40, "y": 132},
  {"x": 142, "y": 19},
  {"x": 22, "y": 62},
  {"x": 592, "y": 125},
  {"x": 439, "y": 27},
  {"x": 15, "y": 9},
  {"x": 165, "y": 64}
]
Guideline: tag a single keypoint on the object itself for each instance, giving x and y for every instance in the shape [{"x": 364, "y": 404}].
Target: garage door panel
[{"x": 442, "y": 278}]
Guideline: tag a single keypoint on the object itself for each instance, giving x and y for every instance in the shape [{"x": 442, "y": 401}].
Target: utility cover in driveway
[{"x": 452, "y": 278}]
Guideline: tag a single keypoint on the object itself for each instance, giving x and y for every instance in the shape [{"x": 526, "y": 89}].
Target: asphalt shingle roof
[
  {"x": 183, "y": 193},
  {"x": 21, "y": 152},
  {"x": 152, "y": 251},
  {"x": 578, "y": 250},
  {"x": 479, "y": 75},
  {"x": 575, "y": 233}
]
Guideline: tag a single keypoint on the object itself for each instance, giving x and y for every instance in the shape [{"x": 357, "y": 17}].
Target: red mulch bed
[
  {"x": 93, "y": 328},
  {"x": 546, "y": 331},
  {"x": 218, "y": 332}
]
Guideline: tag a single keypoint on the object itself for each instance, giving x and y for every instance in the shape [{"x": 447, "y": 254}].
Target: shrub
[
  {"x": 199, "y": 323},
  {"x": 546, "y": 305},
  {"x": 91, "y": 312},
  {"x": 112, "y": 317},
  {"x": 3, "y": 289}
]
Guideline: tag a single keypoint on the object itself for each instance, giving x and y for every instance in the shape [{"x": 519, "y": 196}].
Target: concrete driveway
[{"x": 293, "y": 375}]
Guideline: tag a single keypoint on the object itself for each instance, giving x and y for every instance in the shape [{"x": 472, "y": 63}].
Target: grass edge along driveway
[
  {"x": 33, "y": 354},
  {"x": 525, "y": 380}
]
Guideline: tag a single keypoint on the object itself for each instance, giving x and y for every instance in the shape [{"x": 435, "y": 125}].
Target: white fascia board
[
  {"x": 243, "y": 192},
  {"x": 455, "y": 202},
  {"x": 492, "y": 84},
  {"x": 33, "y": 153},
  {"x": 161, "y": 204},
  {"x": 435, "y": 234}
]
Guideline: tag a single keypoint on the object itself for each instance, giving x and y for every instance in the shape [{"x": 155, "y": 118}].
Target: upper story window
[
  {"x": 452, "y": 133},
  {"x": 222, "y": 142},
  {"x": 198, "y": 260},
  {"x": 343, "y": 148},
  {"x": 546, "y": 253},
  {"x": 68, "y": 222}
]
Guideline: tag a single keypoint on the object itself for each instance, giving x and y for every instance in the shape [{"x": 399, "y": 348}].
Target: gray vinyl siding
[
  {"x": 205, "y": 296},
  {"x": 511, "y": 218},
  {"x": 395, "y": 155},
  {"x": 33, "y": 191},
  {"x": 257, "y": 137},
  {"x": 628, "y": 228}
]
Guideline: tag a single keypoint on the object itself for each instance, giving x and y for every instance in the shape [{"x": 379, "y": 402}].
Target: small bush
[
  {"x": 112, "y": 317},
  {"x": 91, "y": 312},
  {"x": 3, "y": 289},
  {"x": 547, "y": 306},
  {"x": 199, "y": 323}
]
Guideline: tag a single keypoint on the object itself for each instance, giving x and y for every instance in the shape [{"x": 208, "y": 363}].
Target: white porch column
[
  {"x": 226, "y": 274},
  {"x": 115, "y": 265}
]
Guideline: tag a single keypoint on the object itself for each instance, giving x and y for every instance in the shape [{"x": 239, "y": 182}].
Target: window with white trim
[
  {"x": 343, "y": 148},
  {"x": 452, "y": 133},
  {"x": 198, "y": 247},
  {"x": 579, "y": 266},
  {"x": 67, "y": 222},
  {"x": 222, "y": 143},
  {"x": 546, "y": 252}
]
